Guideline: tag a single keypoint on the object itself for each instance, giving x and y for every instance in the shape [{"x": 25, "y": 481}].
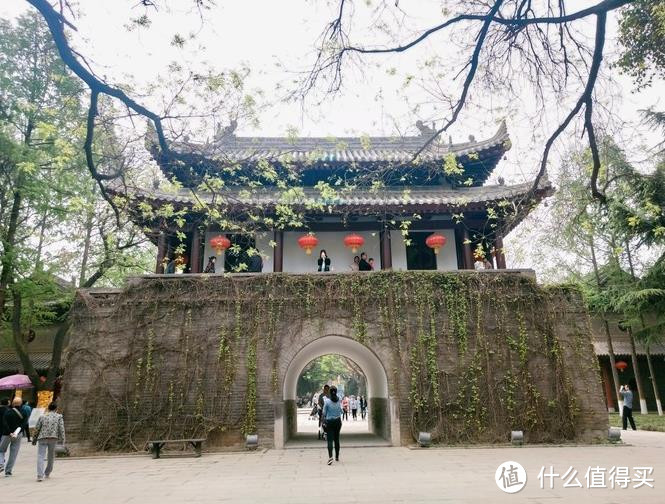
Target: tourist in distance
[
  {"x": 363, "y": 407},
  {"x": 627, "y": 414},
  {"x": 320, "y": 402},
  {"x": 356, "y": 262},
  {"x": 324, "y": 261},
  {"x": 12, "y": 432},
  {"x": 332, "y": 413},
  {"x": 25, "y": 411},
  {"x": 210, "y": 267},
  {"x": 345, "y": 408},
  {"x": 49, "y": 430},
  {"x": 363, "y": 265},
  {"x": 371, "y": 263},
  {"x": 354, "y": 407}
]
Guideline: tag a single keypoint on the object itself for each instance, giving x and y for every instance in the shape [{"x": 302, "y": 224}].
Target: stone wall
[{"x": 467, "y": 356}]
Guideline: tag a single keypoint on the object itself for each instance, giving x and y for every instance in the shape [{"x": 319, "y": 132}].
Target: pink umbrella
[{"x": 17, "y": 381}]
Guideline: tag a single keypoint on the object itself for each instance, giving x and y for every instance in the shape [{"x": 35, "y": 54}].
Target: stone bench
[{"x": 156, "y": 445}]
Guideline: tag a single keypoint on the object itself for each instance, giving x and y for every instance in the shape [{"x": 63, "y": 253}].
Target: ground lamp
[
  {"x": 435, "y": 241},
  {"x": 308, "y": 242},
  {"x": 517, "y": 437},
  {"x": 424, "y": 439},
  {"x": 220, "y": 243},
  {"x": 354, "y": 242},
  {"x": 621, "y": 365}
]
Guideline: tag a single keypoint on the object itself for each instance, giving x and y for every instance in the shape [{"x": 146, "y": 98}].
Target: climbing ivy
[{"x": 475, "y": 355}]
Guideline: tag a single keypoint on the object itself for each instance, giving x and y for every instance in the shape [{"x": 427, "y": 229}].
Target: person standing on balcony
[
  {"x": 210, "y": 267},
  {"x": 356, "y": 262},
  {"x": 363, "y": 265},
  {"x": 324, "y": 261}
]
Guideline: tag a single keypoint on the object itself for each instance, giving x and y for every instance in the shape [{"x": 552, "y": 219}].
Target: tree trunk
[
  {"x": 659, "y": 406},
  {"x": 636, "y": 372},
  {"x": 19, "y": 344},
  {"x": 9, "y": 241},
  {"x": 643, "y": 401},
  {"x": 86, "y": 250},
  {"x": 610, "y": 347},
  {"x": 40, "y": 245}
]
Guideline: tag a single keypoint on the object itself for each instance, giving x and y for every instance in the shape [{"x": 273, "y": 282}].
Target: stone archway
[{"x": 383, "y": 418}]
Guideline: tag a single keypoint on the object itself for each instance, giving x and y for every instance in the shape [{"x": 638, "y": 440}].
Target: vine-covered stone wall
[{"x": 469, "y": 356}]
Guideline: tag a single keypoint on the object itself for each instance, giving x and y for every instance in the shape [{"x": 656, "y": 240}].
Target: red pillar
[
  {"x": 466, "y": 247},
  {"x": 196, "y": 251},
  {"x": 278, "y": 251},
  {"x": 500, "y": 256},
  {"x": 607, "y": 386},
  {"x": 161, "y": 252},
  {"x": 385, "y": 249}
]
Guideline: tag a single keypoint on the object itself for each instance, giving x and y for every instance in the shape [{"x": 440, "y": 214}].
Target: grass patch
[{"x": 650, "y": 422}]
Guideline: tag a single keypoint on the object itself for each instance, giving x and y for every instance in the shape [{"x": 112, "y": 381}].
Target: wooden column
[
  {"x": 278, "y": 252},
  {"x": 607, "y": 386},
  {"x": 386, "y": 251},
  {"x": 500, "y": 256},
  {"x": 161, "y": 252},
  {"x": 466, "y": 248},
  {"x": 196, "y": 251}
]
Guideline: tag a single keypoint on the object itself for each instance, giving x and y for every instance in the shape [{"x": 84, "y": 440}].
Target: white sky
[{"x": 261, "y": 34}]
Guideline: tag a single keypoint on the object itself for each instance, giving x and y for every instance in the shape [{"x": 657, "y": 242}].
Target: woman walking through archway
[{"x": 332, "y": 416}]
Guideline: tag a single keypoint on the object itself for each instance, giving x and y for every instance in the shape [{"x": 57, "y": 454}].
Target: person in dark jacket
[
  {"x": 12, "y": 432},
  {"x": 255, "y": 263},
  {"x": 363, "y": 265},
  {"x": 26, "y": 410},
  {"x": 4, "y": 406},
  {"x": 324, "y": 261},
  {"x": 210, "y": 267}
]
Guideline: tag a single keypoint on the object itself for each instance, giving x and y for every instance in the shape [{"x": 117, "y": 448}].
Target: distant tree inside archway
[{"x": 335, "y": 369}]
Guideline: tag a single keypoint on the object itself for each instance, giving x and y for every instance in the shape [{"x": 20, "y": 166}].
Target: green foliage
[{"x": 642, "y": 34}]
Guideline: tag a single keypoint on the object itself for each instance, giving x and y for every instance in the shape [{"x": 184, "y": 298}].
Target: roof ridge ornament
[
  {"x": 228, "y": 132},
  {"x": 424, "y": 129}
]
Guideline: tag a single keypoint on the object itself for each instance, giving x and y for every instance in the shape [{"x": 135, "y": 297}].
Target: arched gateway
[
  {"x": 383, "y": 417},
  {"x": 467, "y": 357}
]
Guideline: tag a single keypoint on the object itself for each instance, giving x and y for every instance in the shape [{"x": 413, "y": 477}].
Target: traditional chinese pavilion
[{"x": 442, "y": 185}]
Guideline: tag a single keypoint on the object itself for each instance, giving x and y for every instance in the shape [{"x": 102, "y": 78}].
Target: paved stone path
[{"x": 386, "y": 475}]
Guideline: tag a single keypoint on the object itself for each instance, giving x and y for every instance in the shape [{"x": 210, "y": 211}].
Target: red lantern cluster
[
  {"x": 435, "y": 241},
  {"x": 620, "y": 365},
  {"x": 220, "y": 243},
  {"x": 308, "y": 242},
  {"x": 354, "y": 242}
]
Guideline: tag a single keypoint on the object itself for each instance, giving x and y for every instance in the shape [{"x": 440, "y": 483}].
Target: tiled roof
[
  {"x": 394, "y": 149},
  {"x": 9, "y": 361},
  {"x": 426, "y": 196},
  {"x": 623, "y": 348}
]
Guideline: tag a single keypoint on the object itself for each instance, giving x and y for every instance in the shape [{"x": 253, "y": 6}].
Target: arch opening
[
  {"x": 349, "y": 379},
  {"x": 382, "y": 421}
]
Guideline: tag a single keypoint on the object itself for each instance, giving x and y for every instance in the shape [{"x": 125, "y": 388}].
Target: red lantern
[
  {"x": 308, "y": 242},
  {"x": 435, "y": 241},
  {"x": 620, "y": 365},
  {"x": 354, "y": 242},
  {"x": 220, "y": 243}
]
